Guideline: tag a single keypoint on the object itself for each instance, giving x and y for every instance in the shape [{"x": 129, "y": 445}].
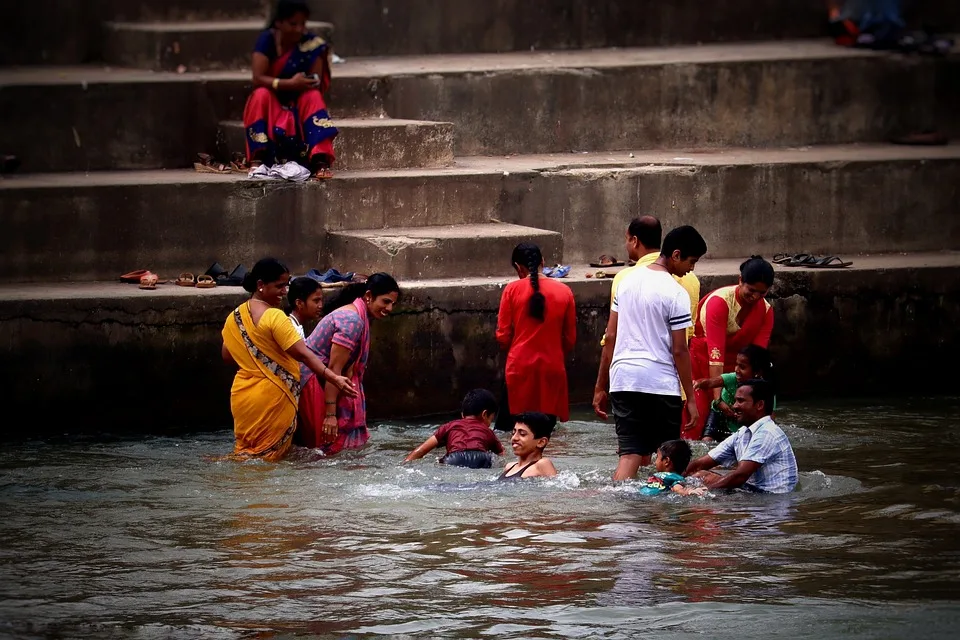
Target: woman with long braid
[{"x": 537, "y": 327}]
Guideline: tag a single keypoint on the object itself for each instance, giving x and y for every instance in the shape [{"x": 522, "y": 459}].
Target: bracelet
[
  {"x": 330, "y": 415},
  {"x": 276, "y": 83}
]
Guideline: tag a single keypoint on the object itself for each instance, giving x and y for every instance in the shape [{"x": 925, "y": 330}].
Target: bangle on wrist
[
  {"x": 331, "y": 415},
  {"x": 276, "y": 83}
]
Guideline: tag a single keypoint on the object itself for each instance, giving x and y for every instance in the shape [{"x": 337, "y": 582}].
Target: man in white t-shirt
[{"x": 647, "y": 337}]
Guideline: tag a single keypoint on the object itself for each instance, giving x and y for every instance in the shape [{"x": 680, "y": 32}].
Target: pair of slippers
[
  {"x": 810, "y": 261},
  {"x": 144, "y": 277},
  {"x": 559, "y": 271},
  {"x": 200, "y": 282},
  {"x": 606, "y": 261}
]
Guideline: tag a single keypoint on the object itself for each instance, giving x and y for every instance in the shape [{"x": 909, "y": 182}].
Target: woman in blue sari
[{"x": 286, "y": 117}]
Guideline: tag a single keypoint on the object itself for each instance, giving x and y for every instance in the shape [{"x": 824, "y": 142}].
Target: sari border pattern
[{"x": 272, "y": 366}]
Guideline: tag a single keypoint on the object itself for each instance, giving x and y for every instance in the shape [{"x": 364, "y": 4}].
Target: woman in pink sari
[
  {"x": 331, "y": 420},
  {"x": 286, "y": 117}
]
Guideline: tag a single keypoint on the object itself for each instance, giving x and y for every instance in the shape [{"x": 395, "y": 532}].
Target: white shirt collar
[{"x": 759, "y": 423}]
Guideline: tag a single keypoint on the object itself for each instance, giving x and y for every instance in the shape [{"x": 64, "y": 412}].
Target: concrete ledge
[
  {"x": 109, "y": 356},
  {"x": 838, "y": 200},
  {"x": 378, "y": 143},
  {"x": 197, "y": 45},
  {"x": 708, "y": 96},
  {"x": 465, "y": 250}
]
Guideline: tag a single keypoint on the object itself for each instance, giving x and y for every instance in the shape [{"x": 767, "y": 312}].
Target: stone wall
[{"x": 151, "y": 362}]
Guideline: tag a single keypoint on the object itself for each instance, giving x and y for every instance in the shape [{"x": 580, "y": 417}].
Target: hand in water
[{"x": 330, "y": 429}]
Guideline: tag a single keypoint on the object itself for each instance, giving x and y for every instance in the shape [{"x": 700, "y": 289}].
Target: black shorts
[
  {"x": 645, "y": 421},
  {"x": 471, "y": 459},
  {"x": 717, "y": 427}
]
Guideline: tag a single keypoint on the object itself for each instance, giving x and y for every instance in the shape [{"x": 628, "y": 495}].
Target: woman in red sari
[
  {"x": 537, "y": 326},
  {"x": 286, "y": 116},
  {"x": 728, "y": 319}
]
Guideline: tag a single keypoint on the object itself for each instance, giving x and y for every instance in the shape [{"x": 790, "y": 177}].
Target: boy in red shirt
[{"x": 470, "y": 441}]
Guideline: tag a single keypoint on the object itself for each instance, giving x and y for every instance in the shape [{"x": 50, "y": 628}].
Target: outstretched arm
[
  {"x": 736, "y": 478},
  {"x": 428, "y": 445},
  {"x": 700, "y": 464}
]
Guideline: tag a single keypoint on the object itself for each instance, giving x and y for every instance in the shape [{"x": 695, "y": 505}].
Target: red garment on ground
[
  {"x": 536, "y": 373},
  {"x": 468, "y": 434},
  {"x": 718, "y": 339}
]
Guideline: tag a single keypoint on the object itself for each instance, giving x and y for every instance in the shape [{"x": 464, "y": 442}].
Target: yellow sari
[{"x": 266, "y": 390}]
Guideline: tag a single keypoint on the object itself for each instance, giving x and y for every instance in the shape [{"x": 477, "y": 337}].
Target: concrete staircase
[{"x": 466, "y": 128}]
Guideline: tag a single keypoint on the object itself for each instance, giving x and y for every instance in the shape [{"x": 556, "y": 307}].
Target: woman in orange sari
[
  {"x": 729, "y": 319},
  {"x": 260, "y": 340},
  {"x": 286, "y": 117}
]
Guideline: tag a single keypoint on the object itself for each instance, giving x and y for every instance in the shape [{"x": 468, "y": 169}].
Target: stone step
[
  {"x": 197, "y": 46},
  {"x": 381, "y": 143},
  {"x": 440, "y": 342},
  {"x": 459, "y": 250},
  {"x": 843, "y": 200},
  {"x": 698, "y": 97}
]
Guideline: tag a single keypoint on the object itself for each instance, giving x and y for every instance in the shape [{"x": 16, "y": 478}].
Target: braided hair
[{"x": 528, "y": 255}]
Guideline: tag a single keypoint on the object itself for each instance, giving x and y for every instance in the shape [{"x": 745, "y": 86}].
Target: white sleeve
[{"x": 680, "y": 317}]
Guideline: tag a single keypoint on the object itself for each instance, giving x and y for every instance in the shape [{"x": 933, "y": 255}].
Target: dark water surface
[{"x": 146, "y": 537}]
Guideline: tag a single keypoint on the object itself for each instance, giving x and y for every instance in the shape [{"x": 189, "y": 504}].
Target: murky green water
[{"x": 144, "y": 537}]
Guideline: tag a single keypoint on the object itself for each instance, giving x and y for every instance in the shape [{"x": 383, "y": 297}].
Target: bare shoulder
[{"x": 544, "y": 468}]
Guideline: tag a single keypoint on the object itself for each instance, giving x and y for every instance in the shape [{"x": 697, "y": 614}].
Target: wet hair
[
  {"x": 540, "y": 423},
  {"x": 759, "y": 359},
  {"x": 379, "y": 284},
  {"x": 528, "y": 255},
  {"x": 755, "y": 269},
  {"x": 285, "y": 9},
  {"x": 300, "y": 289},
  {"x": 647, "y": 230},
  {"x": 266, "y": 270},
  {"x": 478, "y": 401},
  {"x": 687, "y": 240},
  {"x": 760, "y": 390},
  {"x": 679, "y": 453}
]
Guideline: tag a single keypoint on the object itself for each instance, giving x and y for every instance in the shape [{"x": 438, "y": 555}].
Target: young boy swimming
[
  {"x": 306, "y": 301},
  {"x": 673, "y": 457},
  {"x": 531, "y": 434},
  {"x": 752, "y": 362},
  {"x": 470, "y": 442}
]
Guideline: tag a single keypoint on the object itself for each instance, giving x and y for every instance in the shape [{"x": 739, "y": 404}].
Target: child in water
[
  {"x": 470, "y": 442},
  {"x": 752, "y": 362},
  {"x": 531, "y": 434},
  {"x": 306, "y": 301},
  {"x": 673, "y": 457}
]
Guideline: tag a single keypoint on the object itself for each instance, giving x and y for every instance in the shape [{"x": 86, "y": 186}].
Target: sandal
[
  {"x": 207, "y": 165},
  {"x": 800, "y": 260},
  {"x": 607, "y": 261},
  {"x": 240, "y": 163},
  {"x": 828, "y": 262},
  {"x": 206, "y": 282},
  {"x": 233, "y": 279},
  {"x": 149, "y": 281},
  {"x": 134, "y": 276},
  {"x": 605, "y": 274},
  {"x": 186, "y": 280}
]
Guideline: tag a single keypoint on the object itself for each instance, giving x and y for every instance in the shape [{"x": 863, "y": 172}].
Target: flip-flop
[
  {"x": 134, "y": 276},
  {"x": 786, "y": 258},
  {"x": 828, "y": 262},
  {"x": 800, "y": 260},
  {"x": 607, "y": 261},
  {"x": 605, "y": 274},
  {"x": 149, "y": 281},
  {"x": 186, "y": 280},
  {"x": 206, "y": 282}
]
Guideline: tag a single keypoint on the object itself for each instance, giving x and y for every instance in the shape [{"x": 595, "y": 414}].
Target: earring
[{"x": 261, "y": 290}]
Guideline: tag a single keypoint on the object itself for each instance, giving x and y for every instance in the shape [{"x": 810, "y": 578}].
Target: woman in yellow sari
[{"x": 260, "y": 340}]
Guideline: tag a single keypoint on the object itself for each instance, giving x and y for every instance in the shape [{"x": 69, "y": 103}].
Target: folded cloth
[{"x": 290, "y": 171}]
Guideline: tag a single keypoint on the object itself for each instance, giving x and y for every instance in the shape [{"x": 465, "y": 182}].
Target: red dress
[
  {"x": 536, "y": 373},
  {"x": 718, "y": 339}
]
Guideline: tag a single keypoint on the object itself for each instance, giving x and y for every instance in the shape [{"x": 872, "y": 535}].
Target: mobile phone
[{"x": 315, "y": 77}]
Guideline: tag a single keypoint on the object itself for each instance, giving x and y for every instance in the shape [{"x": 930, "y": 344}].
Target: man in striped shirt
[
  {"x": 760, "y": 450},
  {"x": 647, "y": 346}
]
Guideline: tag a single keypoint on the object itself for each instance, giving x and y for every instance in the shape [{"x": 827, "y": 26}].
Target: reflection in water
[{"x": 147, "y": 536}]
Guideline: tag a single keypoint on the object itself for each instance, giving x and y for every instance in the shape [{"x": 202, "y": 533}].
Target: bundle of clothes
[{"x": 879, "y": 24}]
